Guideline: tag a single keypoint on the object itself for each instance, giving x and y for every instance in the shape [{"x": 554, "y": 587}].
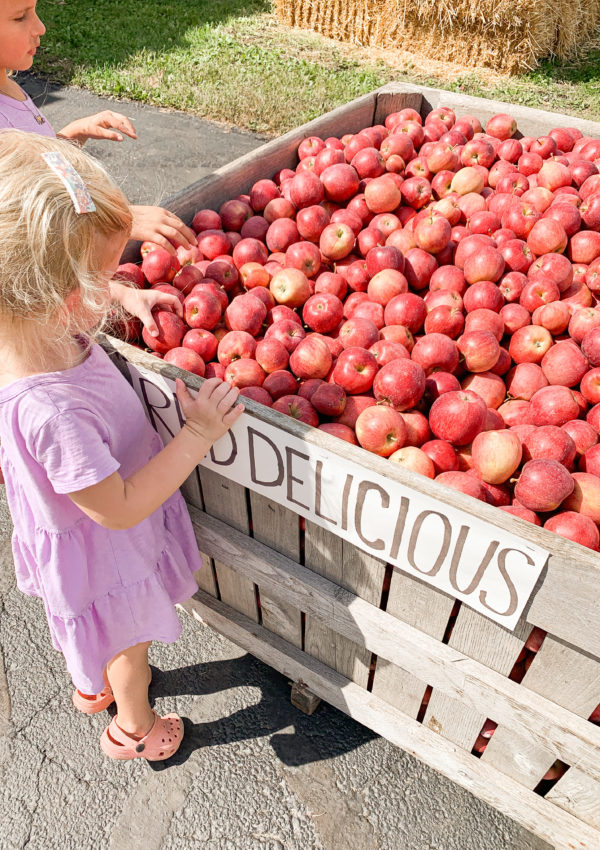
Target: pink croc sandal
[
  {"x": 93, "y": 704},
  {"x": 98, "y": 702},
  {"x": 161, "y": 742}
]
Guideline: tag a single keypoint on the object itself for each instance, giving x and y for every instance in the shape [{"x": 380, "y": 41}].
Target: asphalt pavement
[{"x": 253, "y": 773}]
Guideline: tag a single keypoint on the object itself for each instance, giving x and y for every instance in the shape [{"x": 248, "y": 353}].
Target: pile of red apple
[{"x": 426, "y": 290}]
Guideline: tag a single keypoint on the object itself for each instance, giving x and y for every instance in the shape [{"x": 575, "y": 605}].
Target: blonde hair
[{"x": 47, "y": 250}]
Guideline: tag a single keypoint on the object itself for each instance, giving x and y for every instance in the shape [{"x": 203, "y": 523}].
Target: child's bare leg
[{"x": 128, "y": 677}]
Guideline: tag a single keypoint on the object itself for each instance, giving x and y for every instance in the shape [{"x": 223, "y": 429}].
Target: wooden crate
[{"x": 372, "y": 639}]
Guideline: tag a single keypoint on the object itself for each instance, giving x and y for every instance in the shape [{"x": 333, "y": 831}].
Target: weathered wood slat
[
  {"x": 227, "y": 501},
  {"x": 277, "y": 527},
  {"x": 354, "y": 570},
  {"x": 393, "y": 98},
  {"x": 549, "y": 822},
  {"x": 566, "y": 600},
  {"x": 578, "y": 794},
  {"x": 488, "y": 643},
  {"x": 570, "y": 679},
  {"x": 419, "y": 605},
  {"x": 550, "y": 726}
]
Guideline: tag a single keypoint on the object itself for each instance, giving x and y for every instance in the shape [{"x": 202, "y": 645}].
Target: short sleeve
[{"x": 73, "y": 449}]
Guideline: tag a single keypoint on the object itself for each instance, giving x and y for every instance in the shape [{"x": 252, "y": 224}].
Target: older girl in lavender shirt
[
  {"x": 102, "y": 533},
  {"x": 20, "y": 34}
]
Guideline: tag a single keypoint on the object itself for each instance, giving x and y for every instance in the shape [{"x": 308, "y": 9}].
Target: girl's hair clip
[{"x": 82, "y": 200}]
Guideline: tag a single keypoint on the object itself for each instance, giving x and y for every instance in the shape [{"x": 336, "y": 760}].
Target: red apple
[
  {"x": 583, "y": 435},
  {"x": 564, "y": 364},
  {"x": 340, "y": 181},
  {"x": 357, "y": 331},
  {"x": 245, "y": 313},
  {"x": 550, "y": 442},
  {"x": 323, "y": 312},
  {"x": 529, "y": 344},
  {"x": 576, "y": 527},
  {"x": 311, "y": 358},
  {"x": 553, "y": 405},
  {"x": 244, "y": 372},
  {"x": 298, "y": 408},
  {"x": 170, "y": 331},
  {"x": 490, "y": 387},
  {"x": 187, "y": 359},
  {"x": 464, "y": 483},
  {"x": 290, "y": 286},
  {"x": 159, "y": 266},
  {"x": 585, "y": 496},
  {"x": 480, "y": 350},
  {"x": 442, "y": 455},
  {"x": 457, "y": 416},
  {"x": 380, "y": 429},
  {"x": 280, "y": 383},
  {"x": 435, "y": 351},
  {"x": 543, "y": 485},
  {"x": 235, "y": 345},
  {"x": 203, "y": 342},
  {"x": 400, "y": 383},
  {"x": 496, "y": 455}
]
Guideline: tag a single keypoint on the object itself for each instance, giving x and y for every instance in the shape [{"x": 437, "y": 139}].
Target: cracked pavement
[{"x": 253, "y": 773}]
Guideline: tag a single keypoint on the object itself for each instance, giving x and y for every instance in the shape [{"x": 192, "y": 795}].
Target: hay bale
[{"x": 506, "y": 35}]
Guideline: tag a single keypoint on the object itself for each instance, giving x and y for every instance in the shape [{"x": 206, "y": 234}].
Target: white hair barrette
[{"x": 82, "y": 200}]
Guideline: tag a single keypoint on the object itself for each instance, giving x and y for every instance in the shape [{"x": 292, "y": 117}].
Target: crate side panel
[
  {"x": 227, "y": 501},
  {"x": 549, "y": 822},
  {"x": 419, "y": 605},
  {"x": 492, "y": 645},
  {"x": 279, "y": 528},
  {"x": 323, "y": 555},
  {"x": 356, "y": 571},
  {"x": 567, "y": 677},
  {"x": 579, "y": 794}
]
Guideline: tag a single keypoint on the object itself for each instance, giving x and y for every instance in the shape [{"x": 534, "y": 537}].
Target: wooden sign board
[{"x": 491, "y": 570}]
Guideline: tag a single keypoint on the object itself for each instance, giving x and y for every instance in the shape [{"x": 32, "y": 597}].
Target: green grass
[{"x": 230, "y": 61}]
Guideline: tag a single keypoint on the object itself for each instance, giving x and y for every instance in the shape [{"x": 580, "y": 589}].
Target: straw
[{"x": 506, "y": 35}]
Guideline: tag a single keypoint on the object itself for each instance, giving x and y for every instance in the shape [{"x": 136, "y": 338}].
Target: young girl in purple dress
[
  {"x": 102, "y": 533},
  {"x": 20, "y": 34}
]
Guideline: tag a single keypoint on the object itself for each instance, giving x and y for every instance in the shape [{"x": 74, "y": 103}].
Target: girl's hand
[
  {"x": 141, "y": 303},
  {"x": 212, "y": 413},
  {"x": 155, "y": 224},
  {"x": 103, "y": 125}
]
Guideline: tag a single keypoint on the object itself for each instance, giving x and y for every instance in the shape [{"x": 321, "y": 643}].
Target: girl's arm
[
  {"x": 118, "y": 503},
  {"x": 102, "y": 125}
]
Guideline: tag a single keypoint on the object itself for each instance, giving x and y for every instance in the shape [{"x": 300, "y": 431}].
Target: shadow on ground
[{"x": 268, "y": 717}]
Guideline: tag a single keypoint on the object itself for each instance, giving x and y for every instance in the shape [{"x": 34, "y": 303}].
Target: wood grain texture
[
  {"x": 425, "y": 608},
  {"x": 578, "y": 794},
  {"x": 546, "y": 820},
  {"x": 488, "y": 643},
  {"x": 354, "y": 570},
  {"x": 546, "y": 724},
  {"x": 279, "y": 528},
  {"x": 570, "y": 679},
  {"x": 227, "y": 501}
]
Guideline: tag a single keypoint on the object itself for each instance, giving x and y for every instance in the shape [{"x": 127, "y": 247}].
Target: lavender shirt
[
  {"x": 103, "y": 590},
  {"x": 23, "y": 115}
]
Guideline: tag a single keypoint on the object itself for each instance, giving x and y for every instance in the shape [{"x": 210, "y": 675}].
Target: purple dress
[
  {"x": 23, "y": 115},
  {"x": 103, "y": 590}
]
